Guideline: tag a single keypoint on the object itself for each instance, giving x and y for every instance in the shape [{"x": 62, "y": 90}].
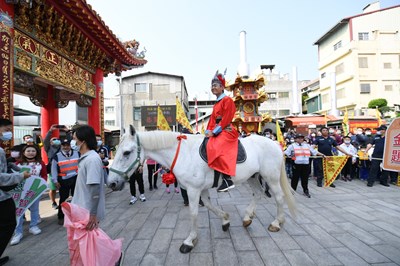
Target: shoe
[
  {"x": 186, "y": 203},
  {"x": 369, "y": 185},
  {"x": 155, "y": 187},
  {"x": 34, "y": 230},
  {"x": 226, "y": 185},
  {"x": 60, "y": 221},
  {"x": 16, "y": 239},
  {"x": 142, "y": 198},
  {"x": 167, "y": 190},
  {"x": 133, "y": 200},
  {"x": 3, "y": 260},
  {"x": 332, "y": 185},
  {"x": 151, "y": 188},
  {"x": 39, "y": 220},
  {"x": 54, "y": 205},
  {"x": 319, "y": 185},
  {"x": 177, "y": 190},
  {"x": 267, "y": 193},
  {"x": 307, "y": 194},
  {"x": 385, "y": 184},
  {"x": 201, "y": 203}
]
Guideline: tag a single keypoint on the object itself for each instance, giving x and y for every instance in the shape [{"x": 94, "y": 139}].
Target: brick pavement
[{"x": 351, "y": 224}]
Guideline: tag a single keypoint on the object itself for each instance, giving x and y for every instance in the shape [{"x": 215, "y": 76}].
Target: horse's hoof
[
  {"x": 185, "y": 249},
  {"x": 272, "y": 228},
  {"x": 225, "y": 227},
  {"x": 247, "y": 223}
]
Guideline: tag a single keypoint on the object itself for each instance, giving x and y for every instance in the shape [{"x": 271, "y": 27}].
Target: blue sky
[{"x": 195, "y": 38}]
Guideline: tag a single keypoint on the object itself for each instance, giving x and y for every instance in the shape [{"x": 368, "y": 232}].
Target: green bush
[{"x": 377, "y": 103}]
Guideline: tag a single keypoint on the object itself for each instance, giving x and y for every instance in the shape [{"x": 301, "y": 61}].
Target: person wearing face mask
[
  {"x": 89, "y": 188},
  {"x": 31, "y": 159},
  {"x": 325, "y": 144},
  {"x": 8, "y": 220},
  {"x": 347, "y": 171},
  {"x": 103, "y": 152},
  {"x": 28, "y": 140},
  {"x": 64, "y": 170},
  {"x": 378, "y": 143},
  {"x": 300, "y": 153}
]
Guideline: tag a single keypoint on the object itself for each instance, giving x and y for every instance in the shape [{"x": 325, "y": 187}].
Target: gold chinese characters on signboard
[{"x": 33, "y": 57}]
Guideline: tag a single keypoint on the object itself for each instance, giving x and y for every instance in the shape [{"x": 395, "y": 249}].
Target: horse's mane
[{"x": 155, "y": 140}]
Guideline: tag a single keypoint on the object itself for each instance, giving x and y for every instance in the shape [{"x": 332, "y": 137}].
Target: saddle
[{"x": 241, "y": 157}]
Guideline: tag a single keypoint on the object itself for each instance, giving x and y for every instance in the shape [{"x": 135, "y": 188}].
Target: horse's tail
[{"x": 287, "y": 191}]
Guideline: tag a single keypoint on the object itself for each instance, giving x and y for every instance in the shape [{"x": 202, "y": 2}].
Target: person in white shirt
[
  {"x": 300, "y": 153},
  {"x": 347, "y": 172}
]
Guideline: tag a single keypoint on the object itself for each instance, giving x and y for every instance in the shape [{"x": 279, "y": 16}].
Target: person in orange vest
[
  {"x": 300, "y": 152},
  {"x": 64, "y": 170}
]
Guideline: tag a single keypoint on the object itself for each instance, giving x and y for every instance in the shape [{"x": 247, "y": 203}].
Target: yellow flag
[
  {"x": 345, "y": 123},
  {"x": 203, "y": 129},
  {"x": 378, "y": 116},
  {"x": 279, "y": 136},
  {"x": 332, "y": 166},
  {"x": 162, "y": 123},
  {"x": 181, "y": 116}
]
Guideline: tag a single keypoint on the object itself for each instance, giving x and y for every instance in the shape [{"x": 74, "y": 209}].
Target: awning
[{"x": 302, "y": 121}]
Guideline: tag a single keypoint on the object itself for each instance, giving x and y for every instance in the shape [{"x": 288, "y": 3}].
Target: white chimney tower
[
  {"x": 243, "y": 68},
  {"x": 295, "y": 90}
]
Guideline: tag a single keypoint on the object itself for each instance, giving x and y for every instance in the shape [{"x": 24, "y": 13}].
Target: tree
[{"x": 379, "y": 103}]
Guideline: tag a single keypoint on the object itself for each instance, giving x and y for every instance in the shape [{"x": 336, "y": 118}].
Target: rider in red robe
[{"x": 222, "y": 147}]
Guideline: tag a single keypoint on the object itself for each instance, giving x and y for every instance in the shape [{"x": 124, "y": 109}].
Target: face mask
[
  {"x": 359, "y": 132},
  {"x": 331, "y": 131},
  {"x": 368, "y": 133},
  {"x": 313, "y": 135},
  {"x": 99, "y": 142},
  {"x": 57, "y": 142},
  {"x": 292, "y": 140},
  {"x": 29, "y": 140},
  {"x": 267, "y": 135},
  {"x": 347, "y": 141},
  {"x": 338, "y": 132},
  {"x": 378, "y": 133},
  {"x": 15, "y": 154},
  {"x": 6, "y": 136},
  {"x": 74, "y": 146}
]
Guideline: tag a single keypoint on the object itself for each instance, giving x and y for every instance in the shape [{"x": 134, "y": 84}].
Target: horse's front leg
[
  {"x": 205, "y": 197},
  {"x": 191, "y": 240}
]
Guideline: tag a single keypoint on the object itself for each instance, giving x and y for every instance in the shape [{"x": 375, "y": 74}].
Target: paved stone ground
[{"x": 351, "y": 224}]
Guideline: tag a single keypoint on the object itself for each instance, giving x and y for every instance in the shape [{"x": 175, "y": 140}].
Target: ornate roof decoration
[{"x": 75, "y": 29}]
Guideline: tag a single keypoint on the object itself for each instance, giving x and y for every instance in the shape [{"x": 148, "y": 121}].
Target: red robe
[{"x": 222, "y": 149}]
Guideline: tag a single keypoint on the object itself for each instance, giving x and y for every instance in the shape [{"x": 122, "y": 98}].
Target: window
[
  {"x": 388, "y": 88},
  {"x": 339, "y": 69},
  {"x": 387, "y": 65},
  {"x": 140, "y": 87},
  {"x": 272, "y": 95},
  {"x": 341, "y": 93},
  {"x": 337, "y": 45},
  {"x": 283, "y": 94},
  {"x": 284, "y": 112},
  {"x": 323, "y": 75},
  {"x": 363, "y": 36},
  {"x": 365, "y": 88},
  {"x": 137, "y": 114},
  {"x": 109, "y": 109},
  {"x": 109, "y": 122},
  {"x": 363, "y": 62}
]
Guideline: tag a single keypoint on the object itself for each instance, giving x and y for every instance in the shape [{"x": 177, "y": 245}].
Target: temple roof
[{"x": 82, "y": 15}]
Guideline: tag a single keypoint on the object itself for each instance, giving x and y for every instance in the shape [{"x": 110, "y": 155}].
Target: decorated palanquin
[
  {"x": 58, "y": 51},
  {"x": 248, "y": 96}
]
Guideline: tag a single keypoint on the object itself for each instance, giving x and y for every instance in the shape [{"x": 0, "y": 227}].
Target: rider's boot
[{"x": 226, "y": 183}]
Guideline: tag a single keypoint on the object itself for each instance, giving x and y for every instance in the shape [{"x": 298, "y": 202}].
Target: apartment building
[{"x": 360, "y": 56}]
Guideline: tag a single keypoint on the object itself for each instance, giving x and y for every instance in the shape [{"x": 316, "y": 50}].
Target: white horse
[{"x": 263, "y": 156}]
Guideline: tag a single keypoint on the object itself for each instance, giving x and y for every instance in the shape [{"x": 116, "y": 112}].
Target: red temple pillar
[
  {"x": 49, "y": 117},
  {"x": 96, "y": 110},
  {"x": 6, "y": 65}
]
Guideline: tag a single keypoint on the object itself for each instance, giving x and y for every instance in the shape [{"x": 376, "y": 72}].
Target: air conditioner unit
[{"x": 272, "y": 96}]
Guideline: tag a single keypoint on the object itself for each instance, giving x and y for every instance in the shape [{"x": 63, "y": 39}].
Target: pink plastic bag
[{"x": 88, "y": 248}]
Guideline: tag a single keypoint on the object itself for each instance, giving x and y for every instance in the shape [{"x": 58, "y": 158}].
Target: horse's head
[{"x": 128, "y": 157}]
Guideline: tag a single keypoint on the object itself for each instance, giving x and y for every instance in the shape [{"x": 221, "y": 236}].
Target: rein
[
  {"x": 125, "y": 173},
  {"x": 179, "y": 138}
]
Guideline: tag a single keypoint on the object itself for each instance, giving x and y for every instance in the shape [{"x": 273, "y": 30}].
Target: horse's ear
[{"x": 132, "y": 130}]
